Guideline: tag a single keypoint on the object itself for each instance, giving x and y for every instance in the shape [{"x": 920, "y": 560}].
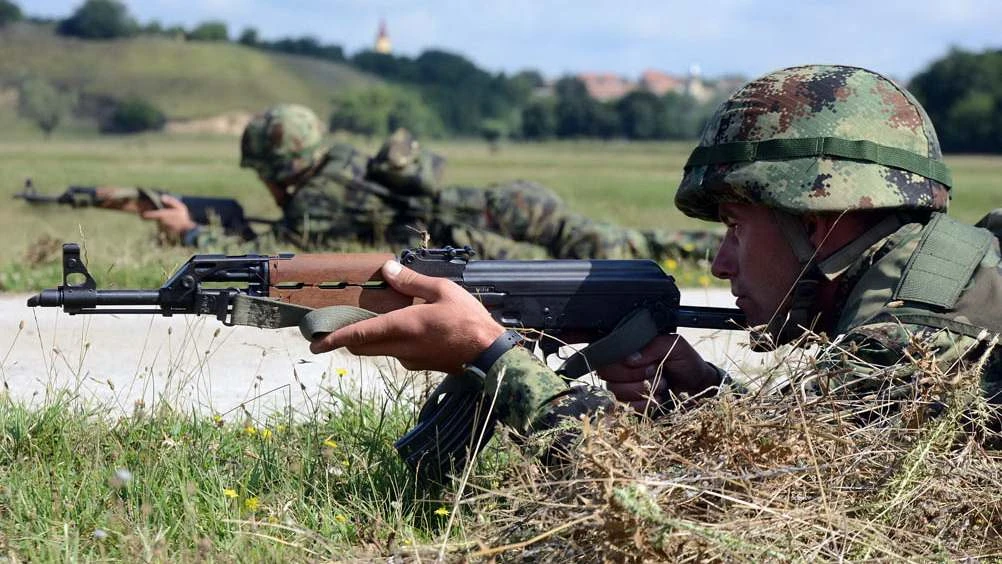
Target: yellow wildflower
[
  {"x": 281, "y": 428},
  {"x": 230, "y": 493},
  {"x": 704, "y": 280},
  {"x": 252, "y": 503},
  {"x": 340, "y": 519},
  {"x": 342, "y": 372},
  {"x": 266, "y": 433},
  {"x": 442, "y": 512},
  {"x": 329, "y": 442},
  {"x": 670, "y": 264},
  {"x": 250, "y": 430}
]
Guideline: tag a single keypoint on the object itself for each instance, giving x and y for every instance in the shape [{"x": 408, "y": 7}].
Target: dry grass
[{"x": 759, "y": 477}]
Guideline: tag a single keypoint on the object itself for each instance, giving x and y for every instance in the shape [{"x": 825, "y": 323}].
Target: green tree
[
  {"x": 539, "y": 120},
  {"x": 493, "y": 131},
  {"x": 210, "y": 31},
  {"x": 642, "y": 115},
  {"x": 249, "y": 37},
  {"x": 573, "y": 108},
  {"x": 962, "y": 93},
  {"x": 9, "y": 12},
  {"x": 134, "y": 115},
  {"x": 377, "y": 110},
  {"x": 99, "y": 19},
  {"x": 43, "y": 103}
]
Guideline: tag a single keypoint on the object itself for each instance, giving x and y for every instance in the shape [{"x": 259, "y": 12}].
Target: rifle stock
[{"x": 559, "y": 301}]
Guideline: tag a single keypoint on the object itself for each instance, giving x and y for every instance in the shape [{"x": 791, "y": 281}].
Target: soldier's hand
[
  {"x": 450, "y": 329},
  {"x": 174, "y": 218},
  {"x": 667, "y": 365}
]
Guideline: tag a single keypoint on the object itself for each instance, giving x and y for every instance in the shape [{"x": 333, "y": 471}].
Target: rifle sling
[{"x": 632, "y": 334}]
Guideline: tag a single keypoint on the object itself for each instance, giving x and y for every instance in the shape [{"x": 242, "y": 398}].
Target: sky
[{"x": 557, "y": 37}]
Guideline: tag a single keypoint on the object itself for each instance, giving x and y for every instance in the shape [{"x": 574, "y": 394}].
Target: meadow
[
  {"x": 734, "y": 479},
  {"x": 627, "y": 183}
]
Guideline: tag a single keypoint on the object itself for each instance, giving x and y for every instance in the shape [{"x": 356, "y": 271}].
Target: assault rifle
[
  {"x": 228, "y": 212},
  {"x": 616, "y": 305}
]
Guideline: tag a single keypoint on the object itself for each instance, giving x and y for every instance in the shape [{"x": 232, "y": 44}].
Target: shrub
[
  {"x": 134, "y": 115},
  {"x": 43, "y": 103},
  {"x": 210, "y": 31},
  {"x": 9, "y": 12},
  {"x": 99, "y": 19}
]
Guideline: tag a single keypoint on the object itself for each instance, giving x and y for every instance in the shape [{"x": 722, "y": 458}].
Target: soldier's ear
[{"x": 819, "y": 226}]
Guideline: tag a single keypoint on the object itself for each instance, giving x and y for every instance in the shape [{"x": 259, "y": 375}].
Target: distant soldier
[{"x": 332, "y": 194}]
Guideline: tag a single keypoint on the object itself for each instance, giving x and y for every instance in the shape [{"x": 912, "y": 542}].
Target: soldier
[
  {"x": 832, "y": 187},
  {"x": 331, "y": 194}
]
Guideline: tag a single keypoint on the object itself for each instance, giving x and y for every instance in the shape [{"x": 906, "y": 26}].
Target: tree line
[{"x": 441, "y": 93}]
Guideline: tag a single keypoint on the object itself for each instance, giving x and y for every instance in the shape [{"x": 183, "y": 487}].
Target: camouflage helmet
[
  {"x": 281, "y": 142},
  {"x": 819, "y": 138}
]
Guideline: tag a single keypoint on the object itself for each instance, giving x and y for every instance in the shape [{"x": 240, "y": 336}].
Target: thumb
[
  {"x": 410, "y": 283},
  {"x": 172, "y": 202}
]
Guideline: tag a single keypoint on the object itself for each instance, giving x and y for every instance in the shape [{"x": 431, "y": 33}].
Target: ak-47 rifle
[
  {"x": 228, "y": 212},
  {"x": 616, "y": 305}
]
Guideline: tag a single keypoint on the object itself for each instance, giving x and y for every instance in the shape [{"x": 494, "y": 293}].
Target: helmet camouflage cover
[
  {"x": 817, "y": 138},
  {"x": 281, "y": 142}
]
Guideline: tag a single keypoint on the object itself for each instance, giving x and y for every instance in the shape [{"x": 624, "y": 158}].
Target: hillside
[{"x": 185, "y": 79}]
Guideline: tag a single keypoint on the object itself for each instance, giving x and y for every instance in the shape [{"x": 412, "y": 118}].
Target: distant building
[
  {"x": 383, "y": 44},
  {"x": 660, "y": 83},
  {"x": 606, "y": 86}
]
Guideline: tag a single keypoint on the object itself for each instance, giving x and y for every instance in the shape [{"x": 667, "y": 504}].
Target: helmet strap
[
  {"x": 785, "y": 327},
  {"x": 800, "y": 317}
]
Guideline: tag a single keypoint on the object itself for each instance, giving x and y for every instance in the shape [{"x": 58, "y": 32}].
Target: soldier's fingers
[
  {"x": 153, "y": 214},
  {"x": 631, "y": 391},
  {"x": 623, "y": 373},
  {"x": 171, "y": 202},
  {"x": 645, "y": 405},
  {"x": 655, "y": 351},
  {"x": 410, "y": 283}
]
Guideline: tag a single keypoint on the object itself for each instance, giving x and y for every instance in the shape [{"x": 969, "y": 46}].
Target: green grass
[
  {"x": 628, "y": 183},
  {"x": 326, "y": 484},
  {"x": 78, "y": 484},
  {"x": 184, "y": 79}
]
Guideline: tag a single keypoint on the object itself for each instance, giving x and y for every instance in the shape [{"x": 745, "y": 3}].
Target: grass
[
  {"x": 746, "y": 478},
  {"x": 628, "y": 183},
  {"x": 733, "y": 478},
  {"x": 184, "y": 79}
]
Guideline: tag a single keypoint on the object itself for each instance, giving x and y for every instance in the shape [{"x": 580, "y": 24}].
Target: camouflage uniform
[
  {"x": 392, "y": 199},
  {"x": 918, "y": 284}
]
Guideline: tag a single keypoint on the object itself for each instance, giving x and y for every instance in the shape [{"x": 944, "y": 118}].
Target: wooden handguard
[{"x": 321, "y": 280}]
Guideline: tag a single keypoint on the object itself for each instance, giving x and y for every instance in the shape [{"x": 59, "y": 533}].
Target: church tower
[{"x": 383, "y": 44}]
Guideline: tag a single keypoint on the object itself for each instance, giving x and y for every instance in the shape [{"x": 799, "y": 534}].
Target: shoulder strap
[{"x": 943, "y": 263}]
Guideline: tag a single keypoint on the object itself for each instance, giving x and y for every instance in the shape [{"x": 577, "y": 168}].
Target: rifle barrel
[{"x": 75, "y": 298}]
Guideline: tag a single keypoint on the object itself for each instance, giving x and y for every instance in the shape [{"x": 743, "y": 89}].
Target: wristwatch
[{"x": 508, "y": 340}]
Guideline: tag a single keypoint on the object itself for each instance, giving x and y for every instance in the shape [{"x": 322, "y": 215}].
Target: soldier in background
[{"x": 330, "y": 194}]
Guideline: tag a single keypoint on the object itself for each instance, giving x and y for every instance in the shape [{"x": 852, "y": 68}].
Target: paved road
[{"x": 198, "y": 364}]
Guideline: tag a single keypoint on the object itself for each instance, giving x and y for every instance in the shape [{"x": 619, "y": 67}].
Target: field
[
  {"x": 736, "y": 479},
  {"x": 628, "y": 183}
]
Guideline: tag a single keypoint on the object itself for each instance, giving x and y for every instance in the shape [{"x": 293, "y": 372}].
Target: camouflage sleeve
[
  {"x": 531, "y": 398},
  {"x": 213, "y": 237},
  {"x": 888, "y": 362}
]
